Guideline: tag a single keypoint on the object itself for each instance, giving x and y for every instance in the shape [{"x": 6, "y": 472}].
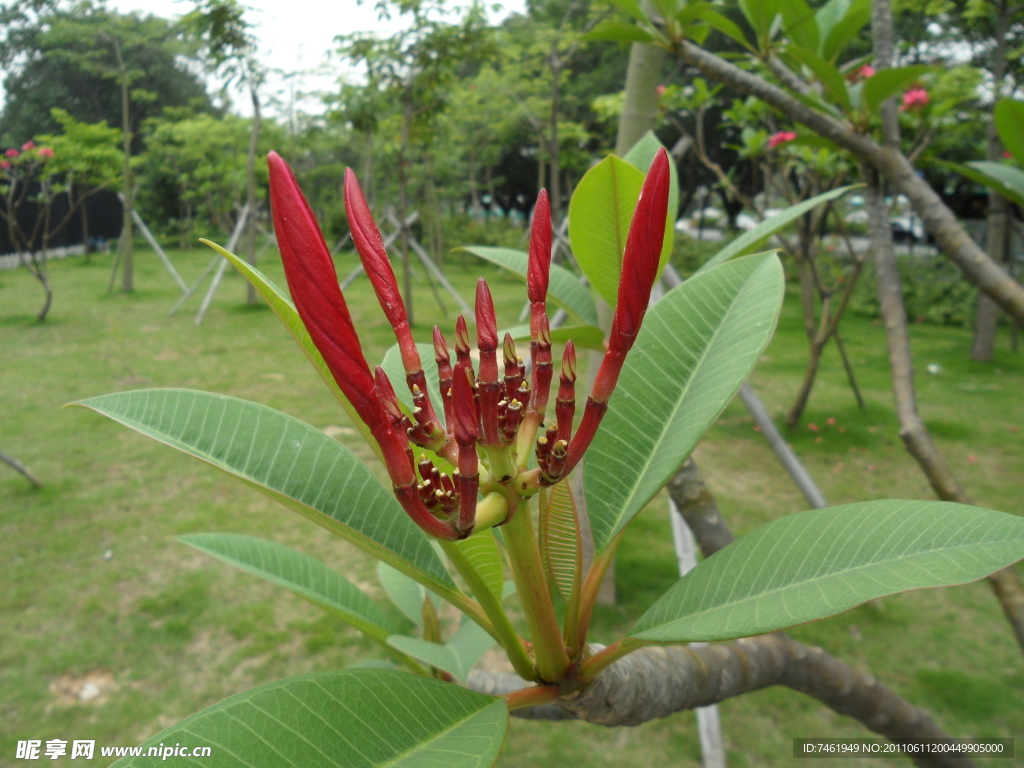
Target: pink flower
[
  {"x": 861, "y": 73},
  {"x": 914, "y": 99},
  {"x": 5, "y": 164},
  {"x": 27, "y": 146},
  {"x": 1006, "y": 154},
  {"x": 11, "y": 153},
  {"x": 780, "y": 138},
  {"x": 46, "y": 153},
  {"x": 660, "y": 90}
]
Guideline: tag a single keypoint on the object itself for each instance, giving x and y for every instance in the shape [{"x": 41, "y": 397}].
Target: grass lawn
[{"x": 94, "y": 592}]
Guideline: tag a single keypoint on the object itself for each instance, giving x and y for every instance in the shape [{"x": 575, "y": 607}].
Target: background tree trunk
[
  {"x": 998, "y": 238},
  {"x": 250, "y": 191}
]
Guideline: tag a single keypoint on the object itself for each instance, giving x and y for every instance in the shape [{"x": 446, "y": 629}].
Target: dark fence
[{"x": 101, "y": 219}]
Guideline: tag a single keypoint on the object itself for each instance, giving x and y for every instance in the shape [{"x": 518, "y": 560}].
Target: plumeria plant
[{"x": 478, "y": 452}]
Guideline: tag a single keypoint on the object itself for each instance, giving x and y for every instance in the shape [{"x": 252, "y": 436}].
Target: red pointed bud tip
[
  {"x": 486, "y": 333},
  {"x": 378, "y": 268},
  {"x": 461, "y": 340},
  {"x": 508, "y": 350},
  {"x": 539, "y": 266},
  {"x": 642, "y": 254},
  {"x": 486, "y": 321},
  {"x": 313, "y": 282},
  {"x": 569, "y": 362},
  {"x": 441, "y": 354},
  {"x": 464, "y": 406}
]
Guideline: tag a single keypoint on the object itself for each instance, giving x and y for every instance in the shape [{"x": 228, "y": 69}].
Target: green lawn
[{"x": 94, "y": 590}]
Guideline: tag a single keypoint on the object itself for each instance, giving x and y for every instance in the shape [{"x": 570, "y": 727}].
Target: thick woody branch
[
  {"x": 655, "y": 682},
  {"x": 951, "y": 238}
]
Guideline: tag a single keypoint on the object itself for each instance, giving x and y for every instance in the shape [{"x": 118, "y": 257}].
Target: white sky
[{"x": 295, "y": 36}]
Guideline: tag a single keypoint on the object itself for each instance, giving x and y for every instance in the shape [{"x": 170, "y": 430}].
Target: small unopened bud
[
  {"x": 461, "y": 340},
  {"x": 565, "y": 405}
]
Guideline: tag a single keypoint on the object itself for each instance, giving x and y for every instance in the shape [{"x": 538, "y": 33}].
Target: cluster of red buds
[{"x": 496, "y": 413}]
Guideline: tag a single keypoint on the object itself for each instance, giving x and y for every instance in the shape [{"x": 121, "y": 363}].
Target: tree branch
[{"x": 951, "y": 238}]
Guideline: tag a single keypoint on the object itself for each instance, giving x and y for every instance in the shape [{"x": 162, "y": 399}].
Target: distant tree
[
  {"x": 231, "y": 50},
  {"x": 415, "y": 67},
  {"x": 35, "y": 79},
  {"x": 194, "y": 167},
  {"x": 73, "y": 165},
  {"x": 115, "y": 50}
]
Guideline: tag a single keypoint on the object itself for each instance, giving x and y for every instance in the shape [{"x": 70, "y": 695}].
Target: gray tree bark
[{"x": 998, "y": 239}]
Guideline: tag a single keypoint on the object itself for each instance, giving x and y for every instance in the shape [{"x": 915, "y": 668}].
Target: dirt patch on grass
[{"x": 91, "y": 688}]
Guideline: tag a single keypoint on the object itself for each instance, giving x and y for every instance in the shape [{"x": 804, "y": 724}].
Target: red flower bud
[
  {"x": 45, "y": 152},
  {"x": 466, "y": 418},
  {"x": 565, "y": 405},
  {"x": 486, "y": 332},
  {"x": 539, "y": 266},
  {"x": 28, "y": 145},
  {"x": 444, "y": 375},
  {"x": 541, "y": 386},
  {"x": 378, "y": 268},
  {"x": 461, "y": 341},
  {"x": 11, "y": 153},
  {"x": 314, "y": 286},
  {"x": 639, "y": 270},
  {"x": 642, "y": 255}
]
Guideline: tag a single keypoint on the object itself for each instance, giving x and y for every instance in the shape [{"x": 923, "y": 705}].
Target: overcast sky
[{"x": 295, "y": 35}]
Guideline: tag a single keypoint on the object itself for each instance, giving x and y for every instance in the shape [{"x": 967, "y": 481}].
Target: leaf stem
[
  {"x": 588, "y": 597},
  {"x": 531, "y": 697},
  {"x": 504, "y": 633},
  {"x": 604, "y": 658},
  {"x": 528, "y": 571}
]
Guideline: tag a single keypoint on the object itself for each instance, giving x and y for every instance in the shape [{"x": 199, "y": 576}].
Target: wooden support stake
[{"x": 215, "y": 282}]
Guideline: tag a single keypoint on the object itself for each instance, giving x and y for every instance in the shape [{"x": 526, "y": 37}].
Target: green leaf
[
  {"x": 289, "y": 317},
  {"x": 821, "y": 562},
  {"x": 1004, "y": 179},
  {"x": 618, "y": 32},
  {"x": 800, "y": 23},
  {"x": 481, "y": 550},
  {"x": 559, "y": 539},
  {"x": 599, "y": 214},
  {"x": 288, "y": 460},
  {"x": 304, "y": 575},
  {"x": 358, "y": 718},
  {"x": 828, "y": 74},
  {"x": 829, "y": 15},
  {"x": 834, "y": 42},
  {"x": 1009, "y": 117},
  {"x": 642, "y": 156},
  {"x": 697, "y": 346},
  {"x": 753, "y": 239},
  {"x": 564, "y": 287},
  {"x": 881, "y": 85},
  {"x": 406, "y": 594},
  {"x": 726, "y": 26},
  {"x": 581, "y": 335},
  {"x": 630, "y": 8},
  {"x": 457, "y": 656},
  {"x": 760, "y": 14}
]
